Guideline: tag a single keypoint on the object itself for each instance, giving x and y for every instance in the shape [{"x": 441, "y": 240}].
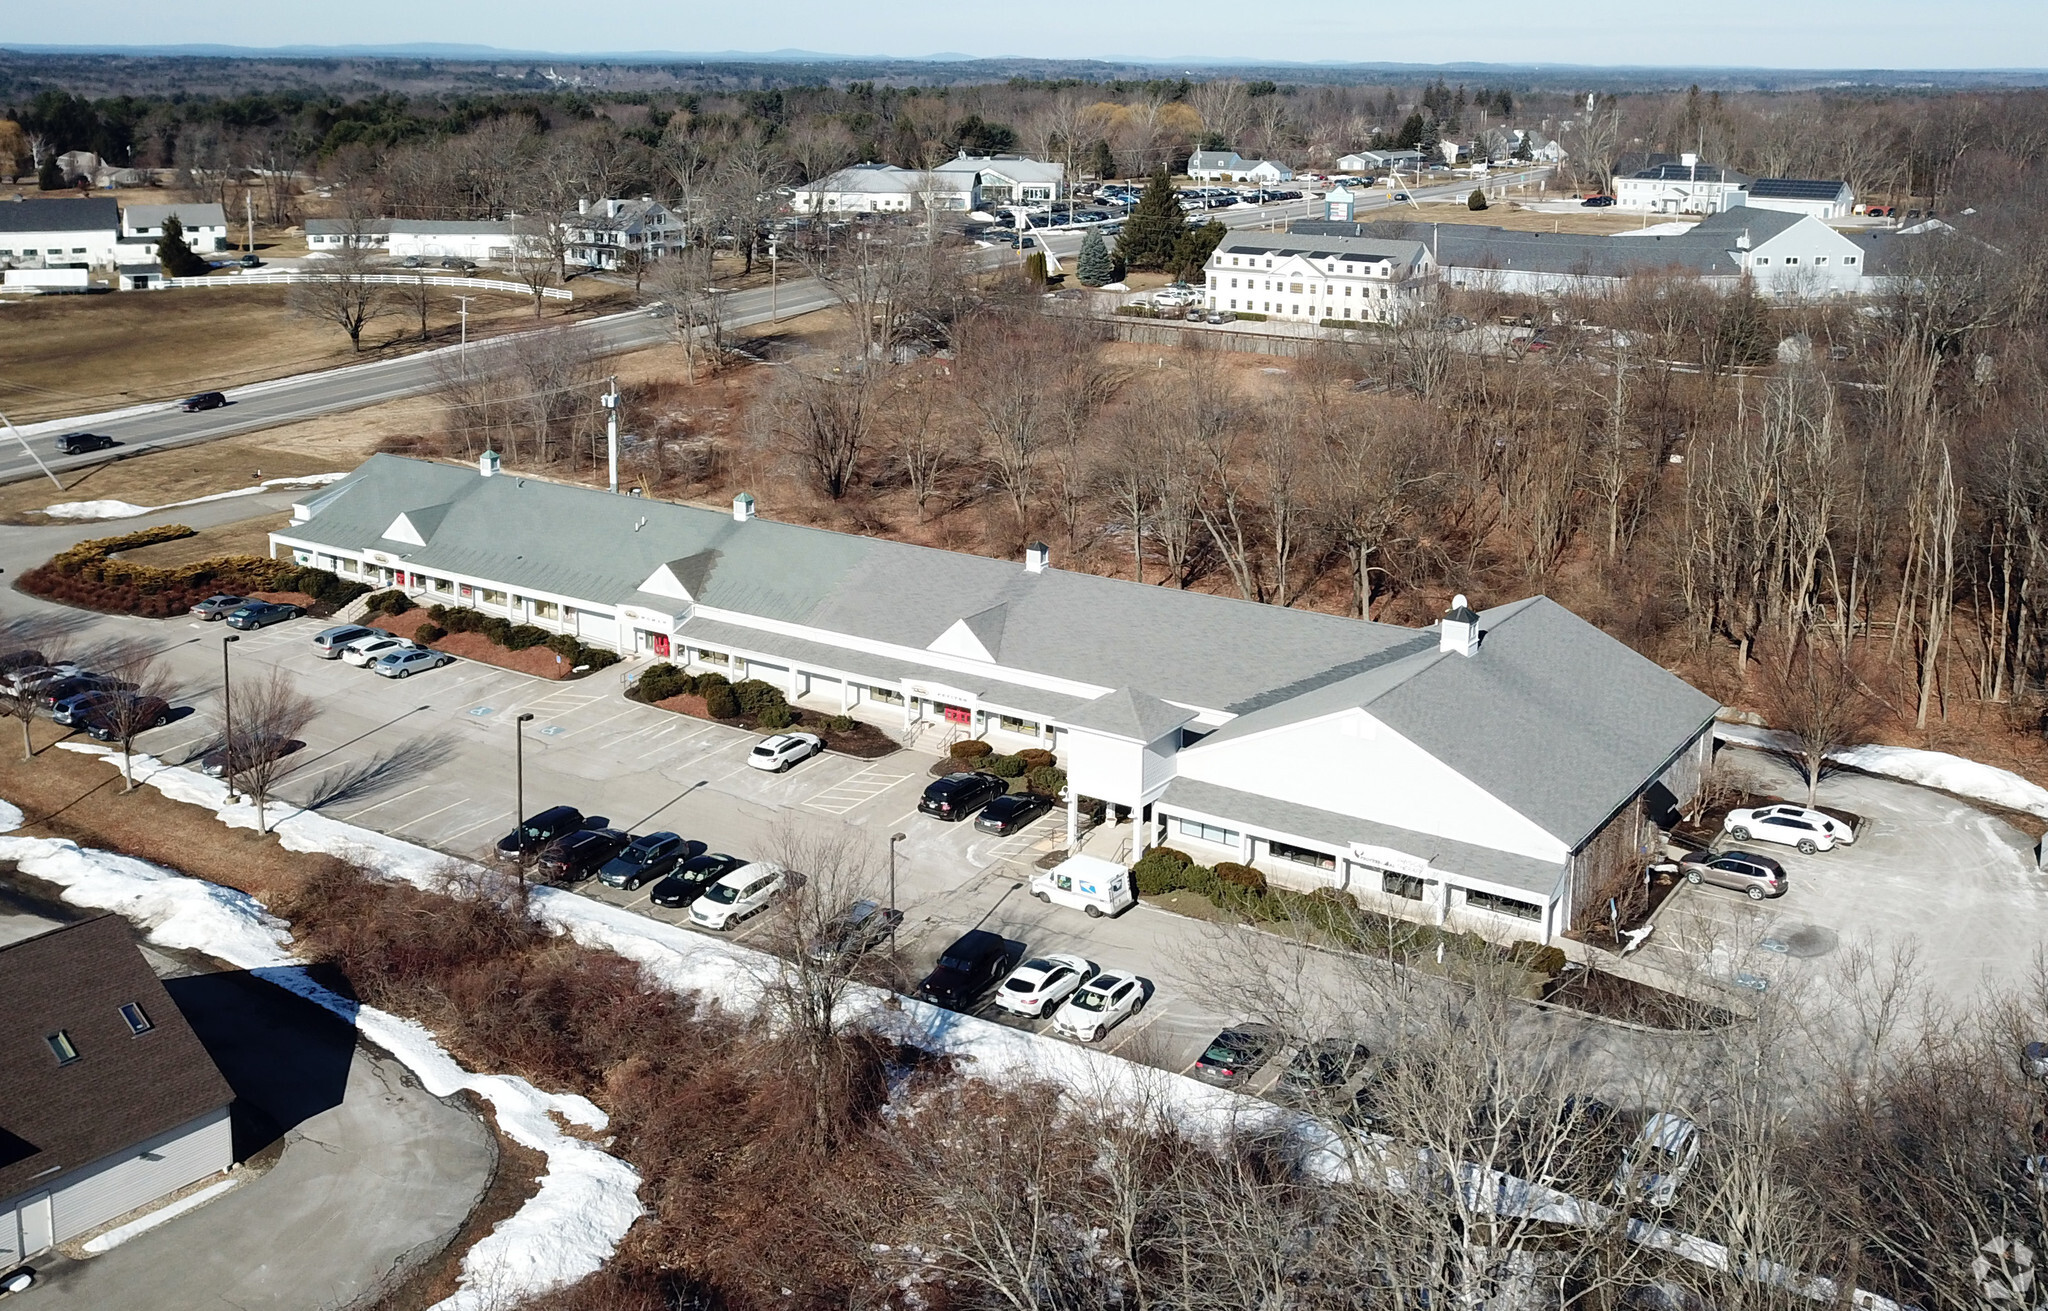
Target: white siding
[
  {"x": 88, "y": 1198},
  {"x": 1108, "y": 768}
]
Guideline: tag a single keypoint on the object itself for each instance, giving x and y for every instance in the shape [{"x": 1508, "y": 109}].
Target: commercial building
[
  {"x": 1502, "y": 772},
  {"x": 1294, "y": 275},
  {"x": 1229, "y": 166},
  {"x": 107, "y": 1100},
  {"x": 476, "y": 240},
  {"x": 863, "y": 189},
  {"x": 205, "y": 226},
  {"x": 1821, "y": 198},
  {"x": 1681, "y": 186},
  {"x": 963, "y": 183}
]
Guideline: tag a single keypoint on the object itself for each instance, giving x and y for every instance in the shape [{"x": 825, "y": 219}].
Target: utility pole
[
  {"x": 227, "y": 701},
  {"x": 519, "y": 791},
  {"x": 773, "y": 316},
  {"x": 32, "y": 452},
  {"x": 610, "y": 401},
  {"x": 463, "y": 349},
  {"x": 249, "y": 210}
]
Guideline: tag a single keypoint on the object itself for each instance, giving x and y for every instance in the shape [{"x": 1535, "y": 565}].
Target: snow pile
[
  {"x": 129, "y": 510},
  {"x": 587, "y": 1199},
  {"x": 1934, "y": 769}
]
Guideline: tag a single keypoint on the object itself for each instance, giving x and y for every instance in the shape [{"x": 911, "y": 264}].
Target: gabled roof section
[
  {"x": 124, "y": 1087},
  {"x": 681, "y": 579},
  {"x": 1131, "y": 714},
  {"x": 417, "y": 527},
  {"x": 87, "y": 214},
  {"x": 977, "y": 637}
]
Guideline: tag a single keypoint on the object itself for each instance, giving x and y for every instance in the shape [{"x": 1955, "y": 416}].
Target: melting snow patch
[
  {"x": 1934, "y": 769},
  {"x": 120, "y": 1234},
  {"x": 128, "y": 510}
]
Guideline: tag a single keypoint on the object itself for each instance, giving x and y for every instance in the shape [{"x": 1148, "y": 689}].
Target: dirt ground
[{"x": 64, "y": 355}]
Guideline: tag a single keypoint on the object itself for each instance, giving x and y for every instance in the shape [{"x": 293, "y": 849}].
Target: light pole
[
  {"x": 519, "y": 790},
  {"x": 894, "y": 838},
  {"x": 227, "y": 701}
]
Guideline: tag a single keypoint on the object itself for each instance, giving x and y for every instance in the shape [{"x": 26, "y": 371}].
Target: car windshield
[
  {"x": 723, "y": 893},
  {"x": 1221, "y": 1053},
  {"x": 637, "y": 855},
  {"x": 1090, "y": 1000}
]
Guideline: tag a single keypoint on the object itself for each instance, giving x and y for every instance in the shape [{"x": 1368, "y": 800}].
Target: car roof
[
  {"x": 976, "y": 940},
  {"x": 1104, "y": 982},
  {"x": 649, "y": 839},
  {"x": 1668, "y": 1130}
]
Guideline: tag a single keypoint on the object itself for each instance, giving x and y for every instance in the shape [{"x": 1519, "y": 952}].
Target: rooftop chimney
[
  {"x": 487, "y": 463},
  {"x": 1037, "y": 558},
  {"x": 743, "y": 507},
  {"x": 1460, "y": 629},
  {"x": 582, "y": 205}
]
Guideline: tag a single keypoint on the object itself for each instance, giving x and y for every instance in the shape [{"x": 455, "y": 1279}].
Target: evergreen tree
[
  {"x": 1154, "y": 227},
  {"x": 1034, "y": 268},
  {"x": 1104, "y": 163},
  {"x": 1410, "y": 137},
  {"x": 1522, "y": 150},
  {"x": 1477, "y": 200},
  {"x": 174, "y": 256},
  {"x": 1193, "y": 250},
  {"x": 1093, "y": 268},
  {"x": 49, "y": 177}
]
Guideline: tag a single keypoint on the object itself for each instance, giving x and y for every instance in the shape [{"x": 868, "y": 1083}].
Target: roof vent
[
  {"x": 1742, "y": 242},
  {"x": 487, "y": 463},
  {"x": 743, "y": 507},
  {"x": 1460, "y": 628},
  {"x": 1687, "y": 160},
  {"x": 1037, "y": 558}
]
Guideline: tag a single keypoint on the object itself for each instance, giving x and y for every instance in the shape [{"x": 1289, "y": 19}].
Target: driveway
[
  {"x": 1928, "y": 873},
  {"x": 352, "y": 1170}
]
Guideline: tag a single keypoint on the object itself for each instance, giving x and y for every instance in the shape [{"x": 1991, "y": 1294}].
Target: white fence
[{"x": 382, "y": 279}]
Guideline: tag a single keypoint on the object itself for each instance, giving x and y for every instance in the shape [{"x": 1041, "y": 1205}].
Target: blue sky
[{"x": 1757, "y": 33}]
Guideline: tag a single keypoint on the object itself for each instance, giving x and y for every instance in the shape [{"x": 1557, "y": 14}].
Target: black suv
[
  {"x": 967, "y": 969},
  {"x": 576, "y": 856},
  {"x": 78, "y": 443},
  {"x": 957, "y": 796},
  {"x": 540, "y": 830},
  {"x": 692, "y": 877},
  {"x": 206, "y": 400}
]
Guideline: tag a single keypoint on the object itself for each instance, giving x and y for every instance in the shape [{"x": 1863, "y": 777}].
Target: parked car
[
  {"x": 404, "y": 664},
  {"x": 643, "y": 860},
  {"x": 27, "y": 680},
  {"x": 1597, "y": 202},
  {"x": 1656, "y": 1163},
  {"x": 965, "y": 970},
  {"x": 2034, "y": 1060},
  {"x": 539, "y": 830},
  {"x": 1744, "y": 871},
  {"x": 1012, "y": 811},
  {"x": 366, "y": 651},
  {"x": 71, "y": 709},
  {"x": 1322, "y": 1067},
  {"x": 574, "y": 857},
  {"x": 1043, "y": 982},
  {"x": 1794, "y": 826},
  {"x": 858, "y": 929},
  {"x": 48, "y": 695},
  {"x": 261, "y": 614},
  {"x": 692, "y": 877},
  {"x": 206, "y": 400},
  {"x": 457, "y": 262},
  {"x": 250, "y": 262},
  {"x": 779, "y": 752},
  {"x": 78, "y": 443},
  {"x": 738, "y": 896},
  {"x": 105, "y": 720},
  {"x": 219, "y": 606},
  {"x": 956, "y": 796},
  {"x": 328, "y": 642},
  {"x": 1236, "y": 1054},
  {"x": 23, "y": 658},
  {"x": 1099, "y": 1005},
  {"x": 1220, "y": 316}
]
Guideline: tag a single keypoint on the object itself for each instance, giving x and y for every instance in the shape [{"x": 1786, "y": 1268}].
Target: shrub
[
  {"x": 1159, "y": 870},
  {"x": 720, "y": 702},
  {"x": 1241, "y": 876},
  {"x": 1004, "y": 766},
  {"x": 428, "y": 634},
  {"x": 564, "y": 645},
  {"x": 496, "y": 629},
  {"x": 659, "y": 682},
  {"x": 324, "y": 586},
  {"x": 460, "y": 620},
  {"x": 707, "y": 681},
  {"x": 438, "y": 613},
  {"x": 594, "y": 658},
  {"x": 775, "y": 717},
  {"x": 1477, "y": 200},
  {"x": 393, "y": 602},
  {"x": 757, "y": 697},
  {"x": 1250, "y": 317},
  {"x": 1037, "y": 757},
  {"x": 1047, "y": 781},
  {"x": 970, "y": 749},
  {"x": 525, "y": 636},
  {"x": 1538, "y": 958},
  {"x": 840, "y": 724}
]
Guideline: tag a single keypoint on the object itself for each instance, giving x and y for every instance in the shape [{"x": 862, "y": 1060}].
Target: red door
[{"x": 661, "y": 644}]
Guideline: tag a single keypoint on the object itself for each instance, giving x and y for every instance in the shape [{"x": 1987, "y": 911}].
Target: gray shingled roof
[
  {"x": 1503, "y": 868},
  {"x": 124, "y": 1087},
  {"x": 1128, "y": 714},
  {"x": 90, "y": 214},
  {"x": 578, "y": 542},
  {"x": 209, "y": 215},
  {"x": 1552, "y": 716}
]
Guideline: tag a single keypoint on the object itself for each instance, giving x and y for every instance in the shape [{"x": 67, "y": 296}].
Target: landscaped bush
[
  {"x": 840, "y": 724},
  {"x": 393, "y": 602},
  {"x": 325, "y": 586},
  {"x": 775, "y": 717},
  {"x": 496, "y": 628},
  {"x": 757, "y": 698},
  {"x": 1160, "y": 870},
  {"x": 1047, "y": 781},
  {"x": 1004, "y": 766},
  {"x": 428, "y": 634},
  {"x": 705, "y": 682},
  {"x": 564, "y": 645},
  {"x": 89, "y": 574},
  {"x": 1241, "y": 876},
  {"x": 720, "y": 702},
  {"x": 660, "y": 682},
  {"x": 970, "y": 749},
  {"x": 1037, "y": 757},
  {"x": 524, "y": 637}
]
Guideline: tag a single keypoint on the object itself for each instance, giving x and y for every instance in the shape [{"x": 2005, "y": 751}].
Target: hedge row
[
  {"x": 762, "y": 705},
  {"x": 1038, "y": 767},
  {"x": 89, "y": 575},
  {"x": 1242, "y": 889},
  {"x": 446, "y": 619}
]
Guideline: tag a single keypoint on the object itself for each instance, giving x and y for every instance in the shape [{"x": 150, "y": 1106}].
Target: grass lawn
[{"x": 242, "y": 537}]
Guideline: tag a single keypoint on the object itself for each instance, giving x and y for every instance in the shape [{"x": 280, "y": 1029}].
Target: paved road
[{"x": 335, "y": 1129}]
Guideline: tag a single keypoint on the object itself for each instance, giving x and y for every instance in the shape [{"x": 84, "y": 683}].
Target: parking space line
[
  {"x": 387, "y": 801},
  {"x": 1131, "y": 1030},
  {"x": 853, "y": 791},
  {"x": 450, "y": 837},
  {"x": 414, "y": 823}
]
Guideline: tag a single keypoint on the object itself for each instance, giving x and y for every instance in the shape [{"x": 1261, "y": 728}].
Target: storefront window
[
  {"x": 1012, "y": 724},
  {"x": 1400, "y": 885},
  {"x": 489, "y": 597},
  {"x": 1195, "y": 828},
  {"x": 886, "y": 695},
  {"x": 714, "y": 657},
  {"x": 546, "y": 610},
  {"x": 1503, "y": 905},
  {"x": 1302, "y": 855}
]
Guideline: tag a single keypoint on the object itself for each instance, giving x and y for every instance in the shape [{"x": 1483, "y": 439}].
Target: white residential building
[
  {"x": 863, "y": 189},
  {"x": 1684, "y": 187},
  {"x": 424, "y": 239},
  {"x": 68, "y": 233},
  {"x": 602, "y": 232},
  {"x": 1823, "y": 199},
  {"x": 206, "y": 226},
  {"x": 1502, "y": 773},
  {"x": 1312, "y": 279},
  {"x": 1229, "y": 166}
]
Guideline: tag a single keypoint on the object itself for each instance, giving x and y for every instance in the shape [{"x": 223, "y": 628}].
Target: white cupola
[{"x": 1460, "y": 628}]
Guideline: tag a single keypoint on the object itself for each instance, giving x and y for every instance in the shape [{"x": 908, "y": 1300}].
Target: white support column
[
  {"x": 845, "y": 690},
  {"x": 1073, "y": 818},
  {"x": 794, "y": 676},
  {"x": 1140, "y": 830}
]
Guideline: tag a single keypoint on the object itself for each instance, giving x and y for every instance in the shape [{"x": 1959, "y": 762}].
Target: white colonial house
[
  {"x": 70, "y": 233},
  {"x": 1229, "y": 166},
  {"x": 1503, "y": 772},
  {"x": 1312, "y": 279},
  {"x": 1683, "y": 186},
  {"x": 603, "y": 232},
  {"x": 206, "y": 226}
]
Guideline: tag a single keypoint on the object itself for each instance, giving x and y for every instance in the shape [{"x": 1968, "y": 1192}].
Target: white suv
[
  {"x": 738, "y": 896},
  {"x": 1794, "y": 826}
]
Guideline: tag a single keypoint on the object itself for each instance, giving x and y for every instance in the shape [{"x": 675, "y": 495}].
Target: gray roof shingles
[{"x": 89, "y": 214}]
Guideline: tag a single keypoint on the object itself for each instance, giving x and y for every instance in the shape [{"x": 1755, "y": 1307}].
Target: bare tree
[
  {"x": 826, "y": 420},
  {"x": 341, "y": 290},
  {"x": 1814, "y": 695},
  {"x": 269, "y": 716},
  {"x": 685, "y": 286},
  {"x": 144, "y": 703}
]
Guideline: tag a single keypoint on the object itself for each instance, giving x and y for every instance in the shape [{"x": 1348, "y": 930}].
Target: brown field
[
  {"x": 64, "y": 355},
  {"x": 243, "y": 537},
  {"x": 1513, "y": 217}
]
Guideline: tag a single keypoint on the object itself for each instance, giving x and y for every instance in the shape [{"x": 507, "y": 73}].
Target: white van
[{"x": 1087, "y": 883}]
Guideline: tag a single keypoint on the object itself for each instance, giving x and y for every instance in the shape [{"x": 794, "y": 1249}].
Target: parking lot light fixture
[
  {"x": 227, "y": 702},
  {"x": 894, "y": 838},
  {"x": 519, "y": 791}
]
